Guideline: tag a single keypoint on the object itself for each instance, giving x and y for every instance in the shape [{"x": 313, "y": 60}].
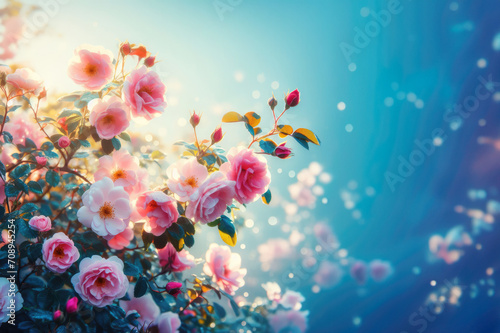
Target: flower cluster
[{"x": 101, "y": 245}]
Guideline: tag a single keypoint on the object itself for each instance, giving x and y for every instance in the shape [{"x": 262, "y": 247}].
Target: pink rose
[
  {"x": 59, "y": 253},
  {"x": 174, "y": 261},
  {"x": 328, "y": 274},
  {"x": 41, "y": 160},
  {"x": 144, "y": 93},
  {"x": 185, "y": 176},
  {"x": 145, "y": 306},
  {"x": 282, "y": 151},
  {"x": 72, "y": 305},
  {"x": 211, "y": 199},
  {"x": 109, "y": 116},
  {"x": 250, "y": 173},
  {"x": 40, "y": 223},
  {"x": 168, "y": 322},
  {"x": 24, "y": 80},
  {"x": 224, "y": 267},
  {"x": 122, "y": 240},
  {"x": 292, "y": 99},
  {"x": 106, "y": 208},
  {"x": 57, "y": 314},
  {"x": 64, "y": 142},
  {"x": 291, "y": 319},
  {"x": 100, "y": 281},
  {"x": 159, "y": 210},
  {"x": 21, "y": 126},
  {"x": 9, "y": 299},
  {"x": 91, "y": 67}
]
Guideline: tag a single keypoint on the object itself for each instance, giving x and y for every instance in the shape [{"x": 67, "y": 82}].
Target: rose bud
[
  {"x": 43, "y": 93},
  {"x": 292, "y": 99},
  {"x": 64, "y": 142},
  {"x": 72, "y": 305},
  {"x": 62, "y": 123},
  {"x": 272, "y": 102},
  {"x": 125, "y": 48},
  {"x": 57, "y": 314},
  {"x": 140, "y": 51},
  {"x": 217, "y": 135},
  {"x": 282, "y": 152},
  {"x": 174, "y": 288},
  {"x": 41, "y": 160},
  {"x": 149, "y": 61},
  {"x": 195, "y": 119}
]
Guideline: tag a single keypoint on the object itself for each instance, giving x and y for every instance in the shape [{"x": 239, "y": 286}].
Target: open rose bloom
[
  {"x": 174, "y": 261},
  {"x": 91, "y": 67},
  {"x": 110, "y": 116},
  {"x": 145, "y": 306},
  {"x": 159, "y": 210},
  {"x": 185, "y": 177},
  {"x": 59, "y": 253},
  {"x": 225, "y": 268}
]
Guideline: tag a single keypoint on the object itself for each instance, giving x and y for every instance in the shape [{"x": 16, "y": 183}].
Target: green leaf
[
  {"x": 252, "y": 119},
  {"x": 125, "y": 136},
  {"x": 267, "y": 145},
  {"x": 306, "y": 135},
  {"x": 214, "y": 223},
  {"x": 176, "y": 231},
  {"x": 131, "y": 270},
  {"x": 116, "y": 143},
  {"x": 141, "y": 287},
  {"x": 232, "y": 117},
  {"x": 227, "y": 231},
  {"x": 35, "y": 187},
  {"x": 52, "y": 178},
  {"x": 285, "y": 130},
  {"x": 107, "y": 146},
  {"x": 219, "y": 310},
  {"x": 21, "y": 171},
  {"x": 68, "y": 112},
  {"x": 266, "y": 197}
]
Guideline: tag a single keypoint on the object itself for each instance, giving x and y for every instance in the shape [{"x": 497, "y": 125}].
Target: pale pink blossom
[
  {"x": 8, "y": 299},
  {"x": 109, "y": 115},
  {"x": 144, "y": 93},
  {"x": 100, "y": 281},
  {"x": 91, "y": 67},
  {"x": 225, "y": 268},
  {"x": 24, "y": 80},
  {"x": 185, "y": 176},
  {"x": 106, "y": 208},
  {"x": 121, "y": 167},
  {"x": 380, "y": 270},
  {"x": 273, "y": 252},
  {"x": 159, "y": 210},
  {"x": 325, "y": 236},
  {"x": 302, "y": 195},
  {"x": 13, "y": 28},
  {"x": 211, "y": 199},
  {"x": 289, "y": 321},
  {"x": 292, "y": 300},
  {"x": 59, "y": 253},
  {"x": 145, "y": 306},
  {"x": 328, "y": 275},
  {"x": 6, "y": 155},
  {"x": 273, "y": 291},
  {"x": 250, "y": 173},
  {"x": 40, "y": 223},
  {"x": 174, "y": 261},
  {"x": 122, "y": 240},
  {"x": 168, "y": 322},
  {"x": 22, "y": 126}
]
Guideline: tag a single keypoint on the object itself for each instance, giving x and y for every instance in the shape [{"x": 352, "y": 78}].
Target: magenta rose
[
  {"x": 40, "y": 223},
  {"x": 250, "y": 173},
  {"x": 100, "y": 280},
  {"x": 159, "y": 209},
  {"x": 174, "y": 261},
  {"x": 144, "y": 93},
  {"x": 59, "y": 253},
  {"x": 211, "y": 199}
]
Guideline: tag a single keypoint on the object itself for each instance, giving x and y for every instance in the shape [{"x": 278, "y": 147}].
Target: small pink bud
[
  {"x": 282, "y": 152},
  {"x": 125, "y": 48},
  {"x": 72, "y": 305},
  {"x": 272, "y": 102},
  {"x": 64, "y": 142},
  {"x": 195, "y": 119},
  {"x": 292, "y": 99},
  {"x": 173, "y": 288},
  {"x": 217, "y": 135},
  {"x": 57, "y": 314},
  {"x": 149, "y": 61},
  {"x": 41, "y": 160}
]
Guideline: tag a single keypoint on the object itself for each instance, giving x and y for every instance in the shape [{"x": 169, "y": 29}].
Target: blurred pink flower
[
  {"x": 40, "y": 223},
  {"x": 109, "y": 115},
  {"x": 225, "y": 268},
  {"x": 41, "y": 160},
  {"x": 121, "y": 167},
  {"x": 185, "y": 176},
  {"x": 380, "y": 270},
  {"x": 302, "y": 195},
  {"x": 72, "y": 305},
  {"x": 22, "y": 126},
  {"x": 24, "y": 80},
  {"x": 273, "y": 252},
  {"x": 59, "y": 253},
  {"x": 328, "y": 274},
  {"x": 91, "y": 67},
  {"x": 174, "y": 261},
  {"x": 12, "y": 33},
  {"x": 291, "y": 319},
  {"x": 122, "y": 240},
  {"x": 100, "y": 281},
  {"x": 325, "y": 236},
  {"x": 292, "y": 300},
  {"x": 168, "y": 322},
  {"x": 211, "y": 199},
  {"x": 106, "y": 208},
  {"x": 159, "y": 210},
  {"x": 249, "y": 171},
  {"x": 273, "y": 291},
  {"x": 359, "y": 272},
  {"x": 145, "y": 306},
  {"x": 57, "y": 314},
  {"x": 144, "y": 93},
  {"x": 6, "y": 155}
]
